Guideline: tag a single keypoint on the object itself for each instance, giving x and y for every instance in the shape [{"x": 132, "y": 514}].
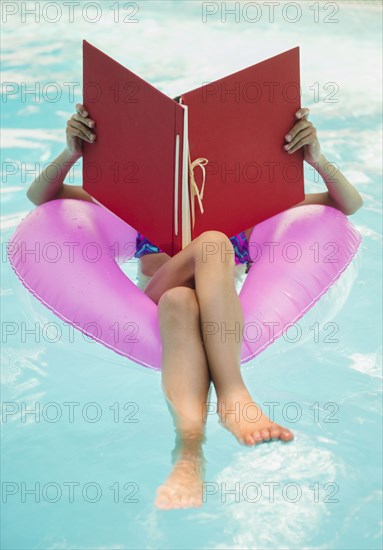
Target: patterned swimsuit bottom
[{"x": 241, "y": 250}]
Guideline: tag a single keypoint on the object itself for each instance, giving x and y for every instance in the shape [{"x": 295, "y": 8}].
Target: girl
[{"x": 192, "y": 289}]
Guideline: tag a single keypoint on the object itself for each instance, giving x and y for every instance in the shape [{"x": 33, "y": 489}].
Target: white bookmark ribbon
[{"x": 195, "y": 192}]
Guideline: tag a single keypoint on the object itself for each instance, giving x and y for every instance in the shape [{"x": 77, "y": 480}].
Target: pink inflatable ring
[{"x": 67, "y": 252}]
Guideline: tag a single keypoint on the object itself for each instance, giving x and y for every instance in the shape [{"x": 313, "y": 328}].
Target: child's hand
[
  {"x": 78, "y": 129},
  {"x": 304, "y": 134}
]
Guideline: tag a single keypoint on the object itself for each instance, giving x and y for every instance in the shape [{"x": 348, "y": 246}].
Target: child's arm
[
  {"x": 341, "y": 193},
  {"x": 49, "y": 184}
]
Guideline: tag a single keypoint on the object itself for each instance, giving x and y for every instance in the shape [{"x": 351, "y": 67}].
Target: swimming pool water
[{"x": 81, "y": 472}]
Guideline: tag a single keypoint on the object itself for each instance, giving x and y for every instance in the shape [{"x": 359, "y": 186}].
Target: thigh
[
  {"x": 174, "y": 272},
  {"x": 178, "y": 270}
]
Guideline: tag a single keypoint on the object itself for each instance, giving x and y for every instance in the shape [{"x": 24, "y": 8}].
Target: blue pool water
[{"x": 100, "y": 441}]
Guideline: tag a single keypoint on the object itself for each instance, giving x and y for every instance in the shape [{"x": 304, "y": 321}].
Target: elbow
[
  {"x": 29, "y": 196},
  {"x": 351, "y": 211},
  {"x": 32, "y": 198}
]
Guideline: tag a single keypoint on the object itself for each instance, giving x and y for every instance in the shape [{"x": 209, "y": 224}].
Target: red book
[{"x": 146, "y": 165}]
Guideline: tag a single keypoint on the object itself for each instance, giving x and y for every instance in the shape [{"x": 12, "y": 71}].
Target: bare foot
[
  {"x": 239, "y": 414},
  {"x": 183, "y": 487}
]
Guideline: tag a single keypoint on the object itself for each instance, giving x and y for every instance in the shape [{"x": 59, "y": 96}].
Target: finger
[
  {"x": 83, "y": 114},
  {"x": 304, "y": 112},
  {"x": 299, "y": 126},
  {"x": 86, "y": 121},
  {"x": 77, "y": 129},
  {"x": 77, "y": 121},
  {"x": 74, "y": 131},
  {"x": 306, "y": 139},
  {"x": 298, "y": 139},
  {"x": 81, "y": 109}
]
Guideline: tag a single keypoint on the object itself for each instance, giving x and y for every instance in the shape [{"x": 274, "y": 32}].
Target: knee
[
  {"x": 214, "y": 236},
  {"x": 216, "y": 246},
  {"x": 178, "y": 301}
]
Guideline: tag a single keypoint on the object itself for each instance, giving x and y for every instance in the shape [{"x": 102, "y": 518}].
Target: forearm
[
  {"x": 341, "y": 190},
  {"x": 47, "y": 185}
]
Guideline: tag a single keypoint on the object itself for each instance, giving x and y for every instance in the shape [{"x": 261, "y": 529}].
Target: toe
[
  {"x": 249, "y": 440},
  {"x": 195, "y": 502},
  {"x": 275, "y": 432},
  {"x": 257, "y": 437},
  {"x": 162, "y": 503},
  {"x": 166, "y": 498},
  {"x": 242, "y": 440},
  {"x": 286, "y": 435},
  {"x": 265, "y": 434}
]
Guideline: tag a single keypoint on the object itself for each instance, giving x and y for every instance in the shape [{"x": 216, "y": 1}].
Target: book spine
[
  {"x": 185, "y": 216},
  {"x": 176, "y": 183},
  {"x": 176, "y": 234}
]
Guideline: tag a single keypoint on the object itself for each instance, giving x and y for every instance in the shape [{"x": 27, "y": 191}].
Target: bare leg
[
  {"x": 186, "y": 382},
  {"x": 208, "y": 264}
]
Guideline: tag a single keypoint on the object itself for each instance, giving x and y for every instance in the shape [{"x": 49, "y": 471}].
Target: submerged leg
[{"x": 186, "y": 383}]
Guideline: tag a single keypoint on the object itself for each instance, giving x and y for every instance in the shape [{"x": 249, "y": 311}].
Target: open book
[{"x": 213, "y": 161}]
